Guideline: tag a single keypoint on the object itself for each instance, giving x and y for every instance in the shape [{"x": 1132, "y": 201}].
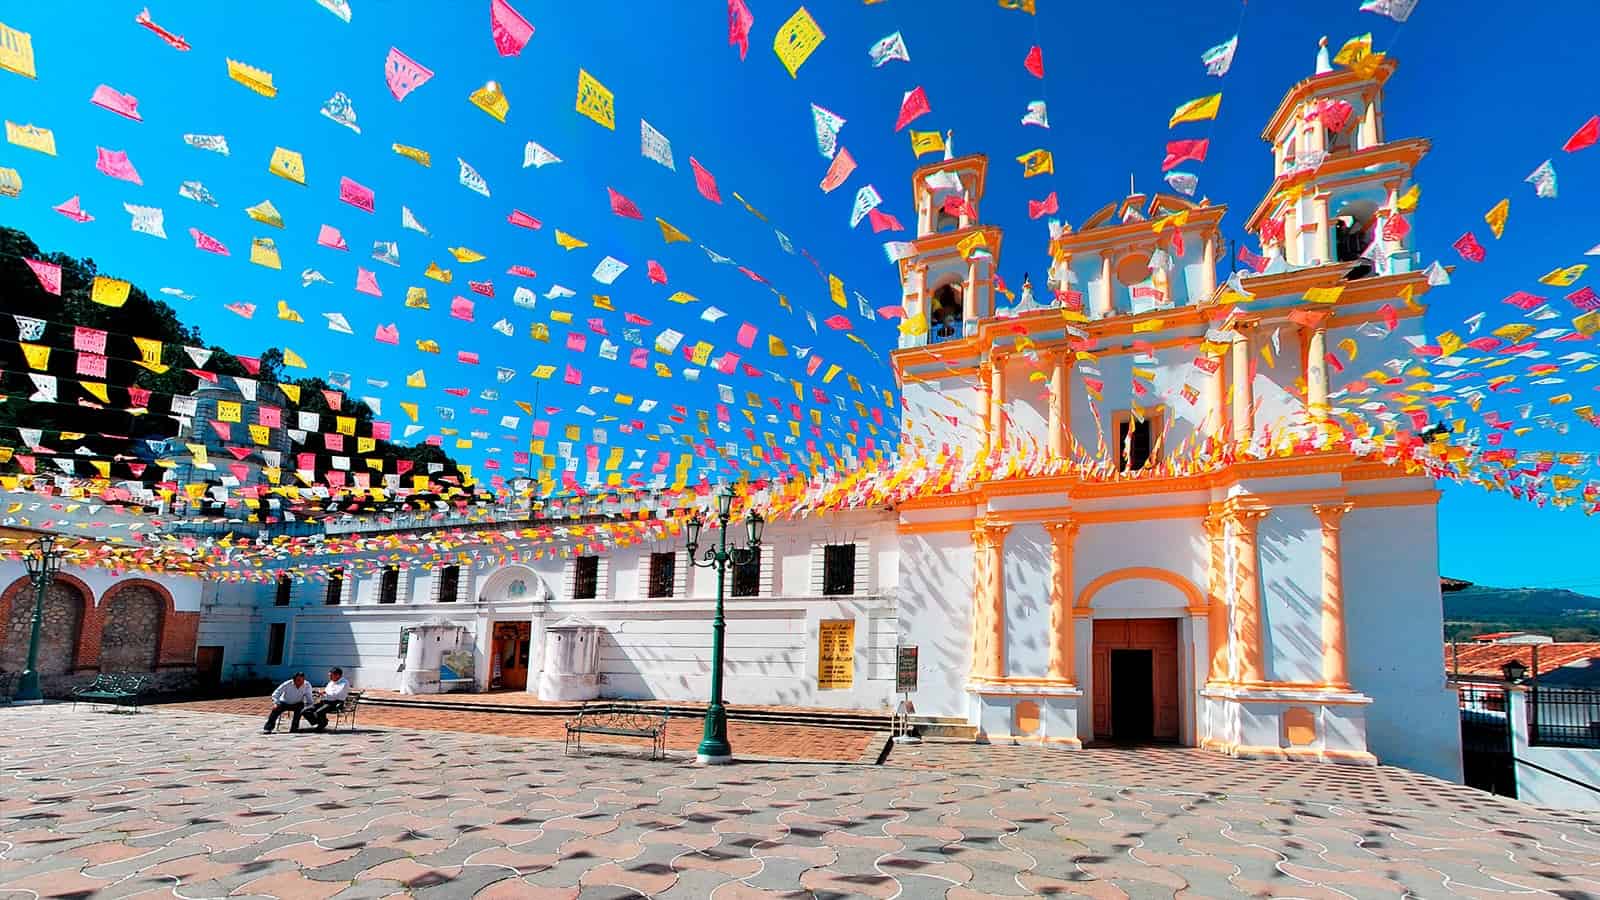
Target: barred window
[
  {"x": 335, "y": 588},
  {"x": 663, "y": 573},
  {"x": 839, "y": 569},
  {"x": 449, "y": 583},
  {"x": 282, "y": 597},
  {"x": 389, "y": 587},
  {"x": 747, "y": 576},
  {"x": 585, "y": 577}
]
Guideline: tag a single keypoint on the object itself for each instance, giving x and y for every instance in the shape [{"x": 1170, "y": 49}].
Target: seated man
[
  {"x": 291, "y": 696},
  {"x": 332, "y": 696}
]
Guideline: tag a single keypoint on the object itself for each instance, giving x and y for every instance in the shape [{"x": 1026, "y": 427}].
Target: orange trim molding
[{"x": 1196, "y": 597}]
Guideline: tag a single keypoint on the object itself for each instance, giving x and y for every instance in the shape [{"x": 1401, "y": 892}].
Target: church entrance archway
[{"x": 1136, "y": 679}]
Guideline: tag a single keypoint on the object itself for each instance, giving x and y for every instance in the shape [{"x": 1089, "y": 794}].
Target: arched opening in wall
[
  {"x": 131, "y": 634},
  {"x": 1354, "y": 229},
  {"x": 943, "y": 221},
  {"x": 58, "y": 632},
  {"x": 945, "y": 312}
]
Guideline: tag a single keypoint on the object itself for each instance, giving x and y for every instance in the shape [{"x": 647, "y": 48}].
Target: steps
[
  {"x": 856, "y": 720},
  {"x": 943, "y": 727}
]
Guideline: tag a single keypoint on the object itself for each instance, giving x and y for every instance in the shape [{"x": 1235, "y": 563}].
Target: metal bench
[
  {"x": 8, "y": 686},
  {"x": 625, "y": 719},
  {"x": 346, "y": 713},
  {"x": 118, "y": 689}
]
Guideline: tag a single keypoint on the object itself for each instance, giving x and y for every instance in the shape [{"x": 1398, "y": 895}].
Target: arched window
[
  {"x": 1353, "y": 232},
  {"x": 945, "y": 313}
]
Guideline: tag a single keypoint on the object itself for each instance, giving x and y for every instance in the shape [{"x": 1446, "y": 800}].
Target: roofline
[
  {"x": 1343, "y": 78},
  {"x": 1411, "y": 151}
]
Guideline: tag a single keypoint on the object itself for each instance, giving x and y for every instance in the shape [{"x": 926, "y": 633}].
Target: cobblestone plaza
[{"x": 188, "y": 803}]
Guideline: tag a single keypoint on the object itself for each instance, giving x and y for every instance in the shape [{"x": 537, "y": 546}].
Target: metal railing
[{"x": 1563, "y": 717}]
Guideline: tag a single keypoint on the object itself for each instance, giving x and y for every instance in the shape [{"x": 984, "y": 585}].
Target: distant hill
[{"x": 1562, "y": 614}]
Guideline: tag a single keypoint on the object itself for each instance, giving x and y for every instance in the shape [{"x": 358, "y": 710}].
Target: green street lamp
[
  {"x": 714, "y": 747},
  {"x": 43, "y": 561}
]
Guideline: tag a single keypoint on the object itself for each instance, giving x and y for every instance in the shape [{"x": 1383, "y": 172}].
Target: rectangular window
[
  {"x": 663, "y": 573},
  {"x": 282, "y": 597},
  {"x": 585, "y": 577},
  {"x": 747, "y": 576},
  {"x": 335, "y": 588},
  {"x": 389, "y": 587},
  {"x": 449, "y": 583},
  {"x": 1136, "y": 440},
  {"x": 839, "y": 569},
  {"x": 276, "y": 632}
]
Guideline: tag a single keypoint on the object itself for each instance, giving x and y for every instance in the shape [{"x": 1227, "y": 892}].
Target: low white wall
[{"x": 1551, "y": 776}]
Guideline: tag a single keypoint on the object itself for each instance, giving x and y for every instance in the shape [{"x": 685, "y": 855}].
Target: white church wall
[
  {"x": 1027, "y": 582},
  {"x": 1027, "y": 402},
  {"x": 1277, "y": 396},
  {"x": 935, "y": 615},
  {"x": 1394, "y": 619},
  {"x": 1290, "y": 545},
  {"x": 1174, "y": 545},
  {"x": 662, "y": 650},
  {"x": 927, "y": 403}
]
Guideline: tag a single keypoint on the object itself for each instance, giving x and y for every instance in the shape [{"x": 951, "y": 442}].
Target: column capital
[
  {"x": 1332, "y": 514},
  {"x": 986, "y": 533},
  {"x": 1062, "y": 529}
]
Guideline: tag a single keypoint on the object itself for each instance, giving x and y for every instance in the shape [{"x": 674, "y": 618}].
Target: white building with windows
[{"x": 652, "y": 608}]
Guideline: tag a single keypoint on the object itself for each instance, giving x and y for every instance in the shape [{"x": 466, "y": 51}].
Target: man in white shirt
[
  {"x": 291, "y": 696},
  {"x": 332, "y": 696}
]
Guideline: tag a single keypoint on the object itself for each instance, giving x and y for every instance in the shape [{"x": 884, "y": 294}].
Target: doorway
[
  {"x": 1133, "y": 695},
  {"x": 511, "y": 652},
  {"x": 1136, "y": 679},
  {"x": 208, "y": 669}
]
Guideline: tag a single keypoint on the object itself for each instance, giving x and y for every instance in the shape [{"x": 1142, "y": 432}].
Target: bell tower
[
  {"x": 947, "y": 279},
  {"x": 1338, "y": 184}
]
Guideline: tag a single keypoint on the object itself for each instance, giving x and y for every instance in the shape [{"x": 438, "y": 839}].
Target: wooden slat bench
[
  {"x": 624, "y": 719},
  {"x": 120, "y": 689}
]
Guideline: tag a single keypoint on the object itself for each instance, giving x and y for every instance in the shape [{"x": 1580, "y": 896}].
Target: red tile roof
[{"x": 1485, "y": 660}]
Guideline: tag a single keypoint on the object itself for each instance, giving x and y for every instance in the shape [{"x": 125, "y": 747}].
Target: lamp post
[
  {"x": 43, "y": 561},
  {"x": 714, "y": 748}
]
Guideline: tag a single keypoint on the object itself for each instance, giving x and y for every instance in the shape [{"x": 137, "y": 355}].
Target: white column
[
  {"x": 1103, "y": 304},
  {"x": 1208, "y": 268},
  {"x": 1368, "y": 135},
  {"x": 1243, "y": 391},
  {"x": 969, "y": 298},
  {"x": 1317, "y": 371},
  {"x": 1322, "y": 252}
]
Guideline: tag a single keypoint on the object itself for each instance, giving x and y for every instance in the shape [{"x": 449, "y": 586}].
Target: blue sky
[{"x": 1497, "y": 87}]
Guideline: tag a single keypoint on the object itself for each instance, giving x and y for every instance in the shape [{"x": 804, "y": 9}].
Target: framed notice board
[{"x": 836, "y": 654}]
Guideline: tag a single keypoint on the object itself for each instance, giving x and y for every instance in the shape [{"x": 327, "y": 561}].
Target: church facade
[{"x": 1280, "y": 605}]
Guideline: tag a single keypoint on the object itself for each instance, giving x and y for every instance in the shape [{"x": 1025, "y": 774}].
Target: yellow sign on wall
[{"x": 836, "y": 655}]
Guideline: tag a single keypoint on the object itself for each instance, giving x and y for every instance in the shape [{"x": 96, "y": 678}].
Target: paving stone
[{"x": 432, "y": 812}]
